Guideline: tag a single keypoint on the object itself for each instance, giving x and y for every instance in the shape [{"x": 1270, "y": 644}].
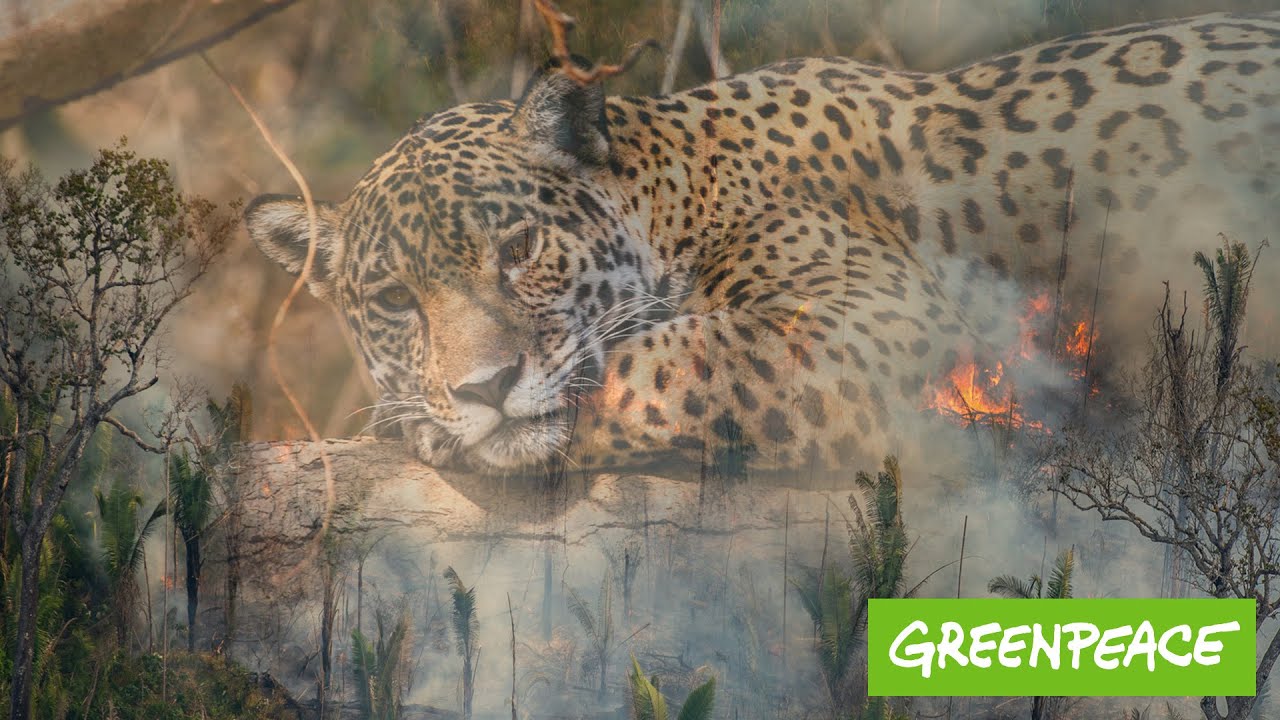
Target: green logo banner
[{"x": 1081, "y": 647}]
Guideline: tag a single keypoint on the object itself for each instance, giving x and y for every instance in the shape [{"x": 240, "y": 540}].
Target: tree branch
[{"x": 137, "y": 440}]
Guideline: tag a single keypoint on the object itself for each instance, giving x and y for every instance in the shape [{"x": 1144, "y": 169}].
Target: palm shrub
[
  {"x": 1226, "y": 292},
  {"x": 878, "y": 544},
  {"x": 191, "y": 494},
  {"x": 56, "y": 613},
  {"x": 466, "y": 632},
  {"x": 647, "y": 702},
  {"x": 1058, "y": 588},
  {"x": 379, "y": 668},
  {"x": 123, "y": 537},
  {"x": 836, "y": 598},
  {"x": 598, "y": 625},
  {"x": 829, "y": 600}
]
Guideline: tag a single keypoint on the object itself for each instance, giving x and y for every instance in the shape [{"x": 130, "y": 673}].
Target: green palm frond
[
  {"x": 597, "y": 623},
  {"x": 232, "y": 420},
  {"x": 1059, "y": 587},
  {"x": 97, "y": 458},
  {"x": 838, "y": 630},
  {"x": 582, "y": 613},
  {"x": 123, "y": 539},
  {"x": 879, "y": 545},
  {"x": 647, "y": 702},
  {"x": 831, "y": 605},
  {"x": 1226, "y": 293},
  {"x": 1226, "y": 281},
  {"x": 1010, "y": 586},
  {"x": 364, "y": 667},
  {"x": 138, "y": 554},
  {"x": 700, "y": 703},
  {"x": 191, "y": 492},
  {"x": 377, "y": 668},
  {"x": 466, "y": 627}
]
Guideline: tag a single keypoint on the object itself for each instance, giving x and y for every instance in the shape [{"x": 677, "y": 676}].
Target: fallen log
[
  {"x": 695, "y": 570},
  {"x": 74, "y": 48}
]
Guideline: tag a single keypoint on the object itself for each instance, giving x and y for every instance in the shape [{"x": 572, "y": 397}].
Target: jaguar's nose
[{"x": 492, "y": 392}]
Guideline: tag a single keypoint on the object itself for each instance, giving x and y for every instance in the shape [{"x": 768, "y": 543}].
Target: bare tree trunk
[
  {"x": 709, "y": 31},
  {"x": 232, "y": 543},
  {"x": 193, "y": 589},
  {"x": 328, "y": 608},
  {"x": 547, "y": 594},
  {"x": 468, "y": 688},
  {"x": 511, "y": 611},
  {"x": 1177, "y": 359},
  {"x": 171, "y": 548},
  {"x": 678, "y": 43},
  {"x": 452, "y": 74},
  {"x": 31, "y": 526},
  {"x": 1240, "y": 708},
  {"x": 521, "y": 64},
  {"x": 28, "y": 598}
]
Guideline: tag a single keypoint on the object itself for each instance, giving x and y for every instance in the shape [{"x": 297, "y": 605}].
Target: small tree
[
  {"x": 191, "y": 495},
  {"x": 836, "y": 599},
  {"x": 192, "y": 481},
  {"x": 232, "y": 424},
  {"x": 379, "y": 668},
  {"x": 123, "y": 536},
  {"x": 466, "y": 631},
  {"x": 598, "y": 625},
  {"x": 89, "y": 271},
  {"x": 1226, "y": 293},
  {"x": 1194, "y": 464},
  {"x": 1059, "y": 588}
]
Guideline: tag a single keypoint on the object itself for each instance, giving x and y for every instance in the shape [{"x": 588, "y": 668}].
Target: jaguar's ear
[
  {"x": 278, "y": 224},
  {"x": 564, "y": 119}
]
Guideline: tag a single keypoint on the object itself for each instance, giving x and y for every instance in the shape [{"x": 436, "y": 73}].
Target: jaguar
[{"x": 771, "y": 266}]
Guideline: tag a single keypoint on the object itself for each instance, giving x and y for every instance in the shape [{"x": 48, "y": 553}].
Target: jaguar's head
[{"x": 482, "y": 265}]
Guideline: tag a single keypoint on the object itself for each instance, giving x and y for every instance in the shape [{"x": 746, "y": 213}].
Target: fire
[
  {"x": 976, "y": 393},
  {"x": 1081, "y": 341}
]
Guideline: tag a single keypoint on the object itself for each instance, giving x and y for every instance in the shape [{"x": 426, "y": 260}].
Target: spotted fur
[{"x": 771, "y": 265}]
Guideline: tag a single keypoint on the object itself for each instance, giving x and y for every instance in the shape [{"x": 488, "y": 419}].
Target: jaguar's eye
[
  {"x": 517, "y": 249},
  {"x": 396, "y": 298}
]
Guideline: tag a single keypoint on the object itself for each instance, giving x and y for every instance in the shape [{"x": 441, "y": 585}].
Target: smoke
[{"x": 339, "y": 95}]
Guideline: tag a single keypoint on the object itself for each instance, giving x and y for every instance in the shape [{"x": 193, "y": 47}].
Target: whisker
[
  {"x": 392, "y": 419},
  {"x": 386, "y": 405}
]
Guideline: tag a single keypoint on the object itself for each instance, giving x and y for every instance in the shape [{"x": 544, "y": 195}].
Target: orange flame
[
  {"x": 1081, "y": 340},
  {"x": 971, "y": 393}
]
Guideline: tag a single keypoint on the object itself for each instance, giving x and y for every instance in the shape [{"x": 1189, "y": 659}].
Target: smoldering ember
[{"x": 589, "y": 360}]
